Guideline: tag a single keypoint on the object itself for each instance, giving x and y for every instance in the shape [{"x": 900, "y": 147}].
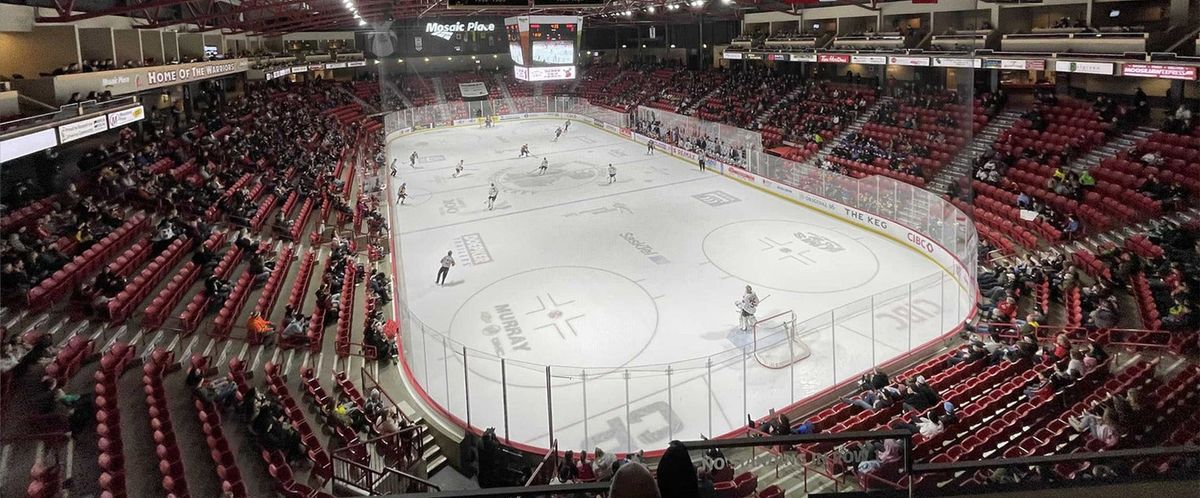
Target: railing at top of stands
[
  {"x": 549, "y": 462},
  {"x": 65, "y": 112}
]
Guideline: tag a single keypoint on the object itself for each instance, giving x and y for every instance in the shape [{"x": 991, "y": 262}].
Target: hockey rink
[{"x": 627, "y": 289}]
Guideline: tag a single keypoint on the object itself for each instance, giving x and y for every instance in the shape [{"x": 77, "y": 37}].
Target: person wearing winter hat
[{"x": 676, "y": 473}]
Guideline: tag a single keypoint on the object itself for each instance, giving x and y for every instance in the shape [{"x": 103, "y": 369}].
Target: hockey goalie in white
[{"x": 747, "y": 305}]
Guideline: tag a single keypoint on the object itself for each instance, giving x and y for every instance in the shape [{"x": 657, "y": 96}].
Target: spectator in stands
[
  {"x": 891, "y": 453},
  {"x": 676, "y": 473},
  {"x": 584, "y": 468},
  {"x": 204, "y": 258},
  {"x": 875, "y": 379},
  {"x": 1180, "y": 121},
  {"x": 217, "y": 290},
  {"x": 634, "y": 480},
  {"x": 919, "y": 395},
  {"x": 294, "y": 326},
  {"x": 1101, "y": 427},
  {"x": 14, "y": 279},
  {"x": 260, "y": 329},
  {"x": 603, "y": 464},
  {"x": 568, "y": 472}
]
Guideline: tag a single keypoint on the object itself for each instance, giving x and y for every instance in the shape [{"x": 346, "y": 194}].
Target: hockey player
[
  {"x": 557, "y": 133},
  {"x": 492, "y": 193},
  {"x": 649, "y": 147},
  {"x": 612, "y": 174},
  {"x": 524, "y": 151},
  {"x": 403, "y": 193},
  {"x": 487, "y": 121},
  {"x": 412, "y": 160},
  {"x": 458, "y": 169},
  {"x": 394, "y": 161},
  {"x": 544, "y": 166},
  {"x": 566, "y": 126},
  {"x": 746, "y": 307}
]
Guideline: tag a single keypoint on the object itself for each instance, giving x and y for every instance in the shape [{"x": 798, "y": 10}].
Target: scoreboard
[{"x": 543, "y": 48}]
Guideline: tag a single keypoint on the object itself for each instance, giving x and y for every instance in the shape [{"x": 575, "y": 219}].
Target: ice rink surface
[{"x": 609, "y": 283}]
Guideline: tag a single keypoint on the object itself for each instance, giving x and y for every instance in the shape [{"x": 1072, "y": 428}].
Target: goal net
[{"x": 777, "y": 343}]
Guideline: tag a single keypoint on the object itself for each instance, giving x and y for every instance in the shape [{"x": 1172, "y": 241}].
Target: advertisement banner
[
  {"x": 356, "y": 63},
  {"x": 123, "y": 81},
  {"x": 473, "y": 89},
  {"x": 126, "y": 116},
  {"x": 956, "y": 62},
  {"x": 732, "y": 55},
  {"x": 25, "y": 145},
  {"x": 1165, "y": 71},
  {"x": 551, "y": 73},
  {"x": 804, "y": 57},
  {"x": 835, "y": 58},
  {"x": 316, "y": 67},
  {"x": 336, "y": 65},
  {"x": 778, "y": 57},
  {"x": 521, "y": 73},
  {"x": 1105, "y": 68},
  {"x": 82, "y": 128},
  {"x": 909, "y": 61},
  {"x": 753, "y": 56},
  {"x": 992, "y": 63},
  {"x": 298, "y": 69},
  {"x": 868, "y": 59}
]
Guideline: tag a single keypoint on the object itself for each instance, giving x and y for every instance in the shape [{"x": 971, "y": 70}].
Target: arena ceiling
[{"x": 273, "y": 17}]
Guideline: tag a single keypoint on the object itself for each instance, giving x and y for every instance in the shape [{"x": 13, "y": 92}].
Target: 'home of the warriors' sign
[{"x": 445, "y": 31}]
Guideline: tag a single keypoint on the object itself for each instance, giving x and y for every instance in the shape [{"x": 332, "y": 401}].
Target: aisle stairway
[
  {"x": 854, "y": 127},
  {"x": 436, "y": 81},
  {"x": 1125, "y": 141},
  {"x": 963, "y": 163},
  {"x": 508, "y": 98}
]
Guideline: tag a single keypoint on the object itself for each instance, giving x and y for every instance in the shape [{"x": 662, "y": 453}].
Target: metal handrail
[
  {"x": 552, "y": 453},
  {"x": 427, "y": 483}
]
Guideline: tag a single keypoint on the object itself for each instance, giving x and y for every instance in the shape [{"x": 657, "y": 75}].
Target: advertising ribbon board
[
  {"x": 804, "y": 57},
  {"x": 834, "y": 58},
  {"x": 126, "y": 116},
  {"x": 82, "y": 128},
  {"x": 1165, "y": 71},
  {"x": 908, "y": 61},
  {"x": 1104, "y": 68},
  {"x": 732, "y": 55},
  {"x": 868, "y": 59}
]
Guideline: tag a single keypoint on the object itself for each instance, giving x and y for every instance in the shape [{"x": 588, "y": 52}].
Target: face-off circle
[
  {"x": 540, "y": 316},
  {"x": 560, "y": 176},
  {"x": 790, "y": 256}
]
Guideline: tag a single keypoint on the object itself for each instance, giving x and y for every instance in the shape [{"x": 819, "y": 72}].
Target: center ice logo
[{"x": 819, "y": 241}]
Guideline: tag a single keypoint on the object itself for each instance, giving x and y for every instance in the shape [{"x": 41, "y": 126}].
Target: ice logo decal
[
  {"x": 382, "y": 39},
  {"x": 563, "y": 176},
  {"x": 819, "y": 242}
]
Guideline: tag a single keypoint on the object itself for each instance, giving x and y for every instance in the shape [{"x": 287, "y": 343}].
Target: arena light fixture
[
  {"x": 672, "y": 45},
  {"x": 400, "y": 61},
  {"x": 650, "y": 9},
  {"x": 426, "y": 59}
]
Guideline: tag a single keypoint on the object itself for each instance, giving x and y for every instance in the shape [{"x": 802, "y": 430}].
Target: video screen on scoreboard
[
  {"x": 553, "y": 43},
  {"x": 514, "y": 43},
  {"x": 543, "y": 47}
]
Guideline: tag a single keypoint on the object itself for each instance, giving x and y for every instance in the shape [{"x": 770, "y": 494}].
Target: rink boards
[{"x": 643, "y": 407}]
